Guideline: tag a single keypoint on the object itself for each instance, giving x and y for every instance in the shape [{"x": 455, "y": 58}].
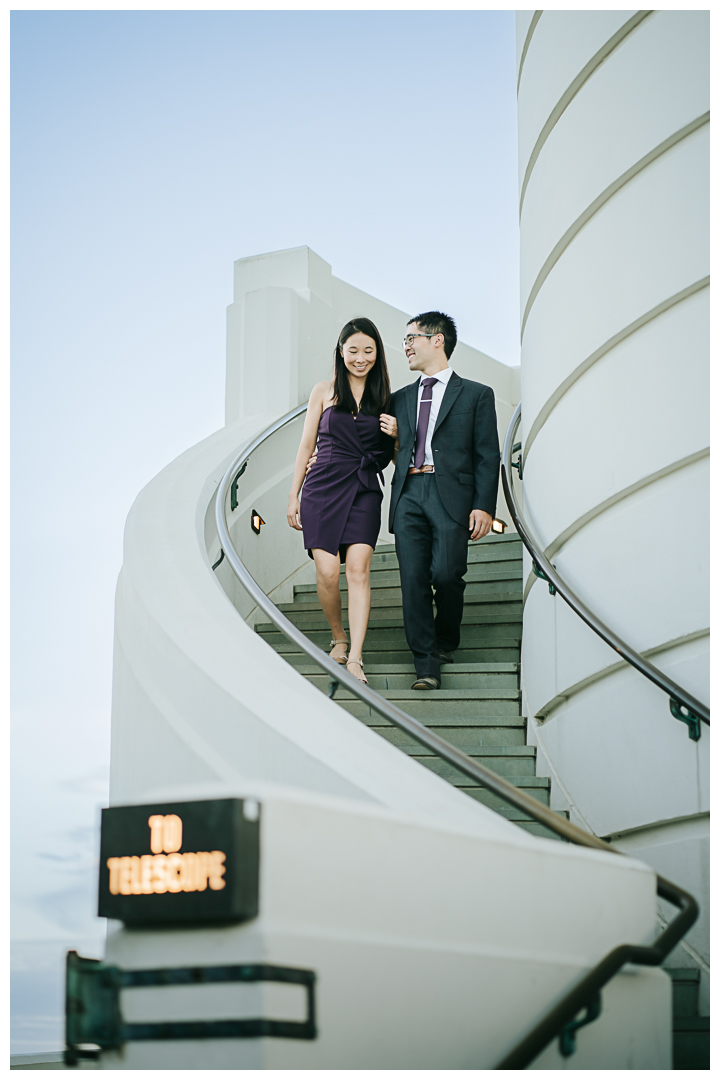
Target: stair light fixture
[
  {"x": 256, "y": 522},
  {"x": 498, "y": 526}
]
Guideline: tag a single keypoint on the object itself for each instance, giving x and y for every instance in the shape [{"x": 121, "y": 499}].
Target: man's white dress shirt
[{"x": 438, "y": 390}]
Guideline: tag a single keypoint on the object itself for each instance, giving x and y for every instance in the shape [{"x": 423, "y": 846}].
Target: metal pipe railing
[
  {"x": 680, "y": 699},
  {"x": 340, "y": 677},
  {"x": 560, "y": 1021}
]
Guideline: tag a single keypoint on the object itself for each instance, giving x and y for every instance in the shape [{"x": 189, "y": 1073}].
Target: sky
[{"x": 149, "y": 151}]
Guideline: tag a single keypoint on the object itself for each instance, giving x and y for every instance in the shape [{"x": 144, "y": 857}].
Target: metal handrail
[
  {"x": 680, "y": 698},
  {"x": 560, "y": 1021}
]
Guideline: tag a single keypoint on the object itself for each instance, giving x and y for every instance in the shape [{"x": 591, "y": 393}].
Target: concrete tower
[{"x": 614, "y": 140}]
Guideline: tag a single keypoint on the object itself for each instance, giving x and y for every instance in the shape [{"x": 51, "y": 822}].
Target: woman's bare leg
[
  {"x": 327, "y": 568},
  {"x": 357, "y": 571}
]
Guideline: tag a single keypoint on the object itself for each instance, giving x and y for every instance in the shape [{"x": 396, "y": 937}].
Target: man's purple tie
[{"x": 423, "y": 421}]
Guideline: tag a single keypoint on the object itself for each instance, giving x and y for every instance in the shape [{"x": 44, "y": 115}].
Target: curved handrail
[
  {"x": 679, "y": 698},
  {"x": 340, "y": 677},
  {"x": 560, "y": 1021}
]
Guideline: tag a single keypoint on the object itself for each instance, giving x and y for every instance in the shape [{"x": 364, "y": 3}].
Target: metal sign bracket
[{"x": 94, "y": 1022}]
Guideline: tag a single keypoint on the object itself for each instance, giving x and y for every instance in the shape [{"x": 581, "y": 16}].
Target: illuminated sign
[{"x": 180, "y": 862}]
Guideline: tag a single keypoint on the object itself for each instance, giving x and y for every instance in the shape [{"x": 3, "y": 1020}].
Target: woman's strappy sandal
[
  {"x": 339, "y": 641},
  {"x": 362, "y": 670}
]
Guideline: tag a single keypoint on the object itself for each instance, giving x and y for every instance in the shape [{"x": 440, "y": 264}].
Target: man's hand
[
  {"x": 388, "y": 424},
  {"x": 310, "y": 463},
  {"x": 480, "y": 524}
]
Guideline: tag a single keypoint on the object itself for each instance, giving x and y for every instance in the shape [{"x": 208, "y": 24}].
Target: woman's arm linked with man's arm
[{"x": 389, "y": 426}]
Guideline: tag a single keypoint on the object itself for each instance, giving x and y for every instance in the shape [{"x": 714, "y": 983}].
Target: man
[{"x": 444, "y": 489}]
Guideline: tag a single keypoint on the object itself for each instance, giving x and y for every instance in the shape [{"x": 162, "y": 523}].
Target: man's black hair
[{"x": 437, "y": 322}]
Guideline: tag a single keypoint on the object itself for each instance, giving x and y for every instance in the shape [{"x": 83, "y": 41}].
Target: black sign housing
[{"x": 205, "y": 887}]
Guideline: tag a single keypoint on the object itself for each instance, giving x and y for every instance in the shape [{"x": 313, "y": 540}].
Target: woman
[{"x": 341, "y": 495}]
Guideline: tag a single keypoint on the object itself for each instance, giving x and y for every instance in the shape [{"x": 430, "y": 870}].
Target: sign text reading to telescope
[{"x": 180, "y": 863}]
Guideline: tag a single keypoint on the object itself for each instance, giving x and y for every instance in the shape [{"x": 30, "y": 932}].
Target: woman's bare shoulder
[
  {"x": 322, "y": 394},
  {"x": 322, "y": 390}
]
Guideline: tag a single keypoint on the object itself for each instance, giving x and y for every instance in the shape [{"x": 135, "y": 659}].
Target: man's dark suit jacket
[{"x": 465, "y": 447}]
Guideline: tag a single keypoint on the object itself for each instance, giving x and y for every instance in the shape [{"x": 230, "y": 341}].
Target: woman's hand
[
  {"x": 293, "y": 513},
  {"x": 389, "y": 425}
]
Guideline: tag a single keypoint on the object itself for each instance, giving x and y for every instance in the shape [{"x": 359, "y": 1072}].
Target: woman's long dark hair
[{"x": 376, "y": 396}]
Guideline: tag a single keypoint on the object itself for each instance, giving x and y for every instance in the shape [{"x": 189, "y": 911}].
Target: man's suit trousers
[{"x": 432, "y": 552}]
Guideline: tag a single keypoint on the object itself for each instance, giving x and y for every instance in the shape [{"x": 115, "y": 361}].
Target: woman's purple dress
[{"x": 341, "y": 495}]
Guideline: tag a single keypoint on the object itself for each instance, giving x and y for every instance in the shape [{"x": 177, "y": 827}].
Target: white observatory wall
[{"x": 614, "y": 182}]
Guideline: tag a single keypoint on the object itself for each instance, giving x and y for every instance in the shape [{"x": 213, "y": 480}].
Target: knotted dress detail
[{"x": 341, "y": 496}]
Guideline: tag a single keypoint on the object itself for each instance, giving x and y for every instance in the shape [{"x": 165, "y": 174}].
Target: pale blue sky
[{"x": 150, "y": 150}]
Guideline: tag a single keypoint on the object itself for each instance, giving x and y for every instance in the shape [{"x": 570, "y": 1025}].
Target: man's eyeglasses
[{"x": 411, "y": 337}]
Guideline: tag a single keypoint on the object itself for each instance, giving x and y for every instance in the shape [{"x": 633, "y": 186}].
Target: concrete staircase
[{"x": 478, "y": 707}]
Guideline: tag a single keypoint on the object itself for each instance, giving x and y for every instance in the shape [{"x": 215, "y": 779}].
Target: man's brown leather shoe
[{"x": 426, "y": 682}]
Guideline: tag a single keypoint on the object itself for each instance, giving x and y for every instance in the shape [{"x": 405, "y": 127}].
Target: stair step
[
  {"x": 691, "y": 1043},
  {"x": 378, "y": 667},
  {"x": 450, "y": 699},
  {"x": 509, "y": 611},
  {"x": 494, "y": 802},
  {"x": 471, "y": 740},
  {"x": 479, "y": 593},
  {"x": 448, "y": 712},
  {"x": 685, "y": 986},
  {"x": 535, "y": 828},
  {"x": 518, "y": 770},
  {"x": 477, "y": 553},
  {"x": 490, "y": 539},
  {"x": 477, "y": 557},
  {"x": 510, "y": 570},
  {"x": 475, "y": 658},
  {"x": 487, "y": 684},
  {"x": 493, "y": 541},
  {"x": 491, "y": 714},
  {"x": 691, "y": 1024},
  {"x": 500, "y": 636},
  {"x": 487, "y": 541}
]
